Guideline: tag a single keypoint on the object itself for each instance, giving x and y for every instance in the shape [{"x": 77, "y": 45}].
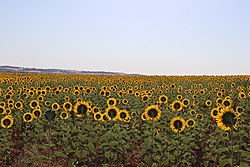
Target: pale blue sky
[{"x": 162, "y": 37}]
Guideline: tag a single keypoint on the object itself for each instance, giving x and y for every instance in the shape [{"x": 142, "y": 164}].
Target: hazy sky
[{"x": 162, "y": 37}]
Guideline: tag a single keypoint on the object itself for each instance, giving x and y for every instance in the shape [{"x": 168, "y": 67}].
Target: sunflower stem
[
  {"x": 49, "y": 144},
  {"x": 231, "y": 142}
]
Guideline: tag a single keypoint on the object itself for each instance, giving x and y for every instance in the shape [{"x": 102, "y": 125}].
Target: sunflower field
[{"x": 108, "y": 121}]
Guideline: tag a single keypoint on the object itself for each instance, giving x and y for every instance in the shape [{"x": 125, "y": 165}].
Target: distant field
[{"x": 104, "y": 120}]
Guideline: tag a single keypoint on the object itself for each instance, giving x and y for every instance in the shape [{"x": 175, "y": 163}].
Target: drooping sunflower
[
  {"x": 214, "y": 112},
  {"x": 199, "y": 116},
  {"x": 163, "y": 99},
  {"x": 227, "y": 119},
  {"x": 7, "y": 121},
  {"x": 64, "y": 115},
  {"x": 192, "y": 112},
  {"x": 37, "y": 113},
  {"x": 112, "y": 112},
  {"x": 81, "y": 109},
  {"x": 152, "y": 113},
  {"x": 111, "y": 102},
  {"x": 67, "y": 106},
  {"x": 176, "y": 105},
  {"x": 55, "y": 106},
  {"x": 190, "y": 123},
  {"x": 177, "y": 124},
  {"x": 28, "y": 117}
]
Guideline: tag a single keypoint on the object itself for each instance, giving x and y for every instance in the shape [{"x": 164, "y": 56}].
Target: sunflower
[
  {"x": 214, "y": 112},
  {"x": 97, "y": 116},
  {"x": 177, "y": 124},
  {"x": 55, "y": 106},
  {"x": 219, "y": 101},
  {"x": 8, "y": 111},
  {"x": 152, "y": 113},
  {"x": 124, "y": 101},
  {"x": 81, "y": 109},
  {"x": 190, "y": 123},
  {"x": 111, "y": 102},
  {"x": 96, "y": 109},
  {"x": 28, "y": 117},
  {"x": 199, "y": 116},
  {"x": 239, "y": 110},
  {"x": 67, "y": 106},
  {"x": 192, "y": 112},
  {"x": 176, "y": 105},
  {"x": 227, "y": 119},
  {"x": 7, "y": 121},
  {"x": 19, "y": 105},
  {"x": 185, "y": 102},
  {"x": 34, "y": 104},
  {"x": 2, "y": 110},
  {"x": 163, "y": 99},
  {"x": 242, "y": 95},
  {"x": 179, "y": 97},
  {"x": 47, "y": 103},
  {"x": 64, "y": 115},
  {"x": 145, "y": 98},
  {"x": 112, "y": 112},
  {"x": 40, "y": 98},
  {"x": 123, "y": 115},
  {"x": 227, "y": 103},
  {"x": 37, "y": 113},
  {"x": 208, "y": 103},
  {"x": 143, "y": 116}
]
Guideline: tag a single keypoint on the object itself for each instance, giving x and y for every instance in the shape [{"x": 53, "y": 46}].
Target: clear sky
[{"x": 155, "y": 37}]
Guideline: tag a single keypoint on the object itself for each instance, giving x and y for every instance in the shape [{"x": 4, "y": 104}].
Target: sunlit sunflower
[
  {"x": 67, "y": 106},
  {"x": 47, "y": 103},
  {"x": 97, "y": 116},
  {"x": 112, "y": 112},
  {"x": 185, "y": 102},
  {"x": 37, "y": 113},
  {"x": 55, "y": 106},
  {"x": 176, "y": 105},
  {"x": 81, "y": 109},
  {"x": 123, "y": 115},
  {"x": 219, "y": 101},
  {"x": 190, "y": 123},
  {"x": 40, "y": 98},
  {"x": 111, "y": 102},
  {"x": 143, "y": 116},
  {"x": 152, "y": 113},
  {"x": 214, "y": 112},
  {"x": 179, "y": 97},
  {"x": 125, "y": 101},
  {"x": 227, "y": 119},
  {"x": 7, "y": 121},
  {"x": 2, "y": 110},
  {"x": 163, "y": 99},
  {"x": 242, "y": 95},
  {"x": 28, "y": 117},
  {"x": 19, "y": 105},
  {"x": 64, "y": 115},
  {"x": 8, "y": 111},
  {"x": 227, "y": 103},
  {"x": 208, "y": 103},
  {"x": 34, "y": 104},
  {"x": 96, "y": 109},
  {"x": 239, "y": 110},
  {"x": 177, "y": 124},
  {"x": 145, "y": 98}
]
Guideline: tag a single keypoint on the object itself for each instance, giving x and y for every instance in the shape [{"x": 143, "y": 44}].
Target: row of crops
[{"x": 89, "y": 120}]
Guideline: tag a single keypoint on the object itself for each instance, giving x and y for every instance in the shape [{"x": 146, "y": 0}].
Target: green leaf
[
  {"x": 60, "y": 154},
  {"x": 91, "y": 147},
  {"x": 243, "y": 164},
  {"x": 225, "y": 161},
  {"x": 221, "y": 150}
]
